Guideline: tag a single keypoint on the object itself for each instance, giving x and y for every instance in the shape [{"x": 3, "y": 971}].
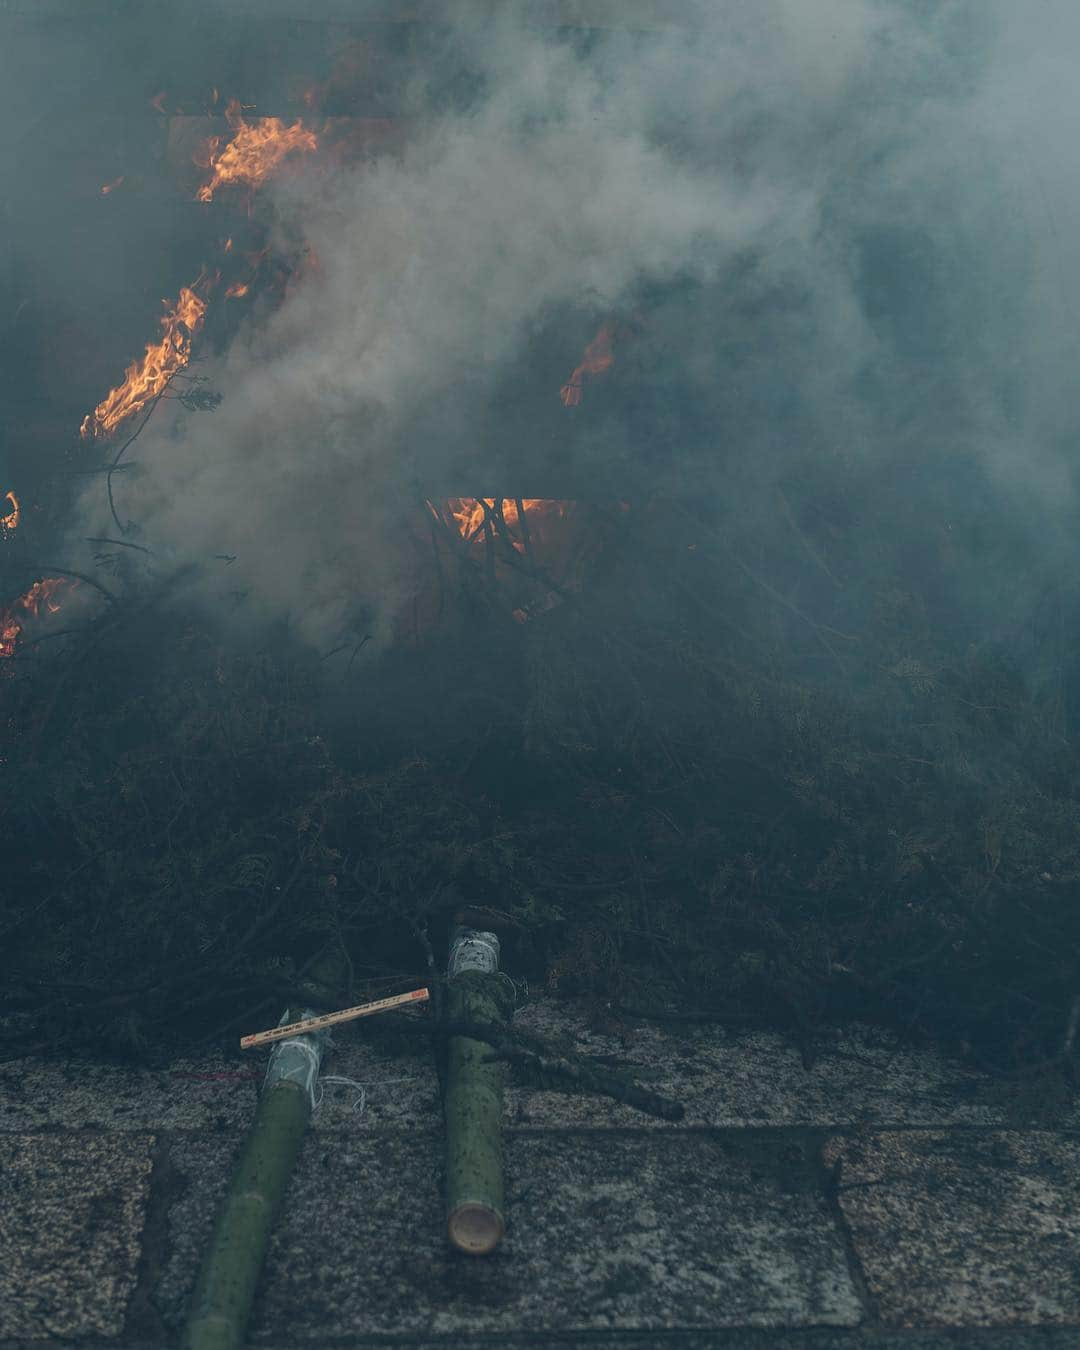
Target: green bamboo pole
[
  {"x": 474, "y": 1106},
  {"x": 221, "y": 1304},
  {"x": 225, "y": 1290}
]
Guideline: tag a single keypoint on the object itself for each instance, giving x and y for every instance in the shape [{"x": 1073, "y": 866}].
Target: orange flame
[
  {"x": 145, "y": 379},
  {"x": 11, "y": 520},
  {"x": 10, "y": 628},
  {"x": 468, "y": 513},
  {"x": 111, "y": 187},
  {"x": 597, "y": 359},
  {"x": 254, "y": 150},
  {"x": 11, "y": 622},
  {"x": 236, "y": 290}
]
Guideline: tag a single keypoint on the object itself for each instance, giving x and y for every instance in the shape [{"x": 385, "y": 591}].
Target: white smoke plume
[{"x": 883, "y": 175}]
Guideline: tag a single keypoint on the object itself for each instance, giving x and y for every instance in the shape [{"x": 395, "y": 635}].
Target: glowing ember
[
  {"x": 254, "y": 150},
  {"x": 236, "y": 290},
  {"x": 41, "y": 593},
  {"x": 11, "y": 520},
  {"x": 145, "y": 379},
  {"x": 597, "y": 359},
  {"x": 111, "y": 187},
  {"x": 10, "y": 628}
]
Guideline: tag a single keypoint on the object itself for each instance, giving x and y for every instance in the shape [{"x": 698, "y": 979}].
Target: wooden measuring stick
[{"x": 332, "y": 1019}]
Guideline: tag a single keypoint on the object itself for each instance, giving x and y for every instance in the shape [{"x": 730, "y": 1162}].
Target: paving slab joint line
[
  {"x": 800, "y": 1337},
  {"x": 1024, "y": 1337},
  {"x": 143, "y": 1324},
  {"x": 829, "y": 1179}
]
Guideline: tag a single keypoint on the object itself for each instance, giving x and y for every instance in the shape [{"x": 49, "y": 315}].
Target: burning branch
[
  {"x": 508, "y": 536},
  {"x": 145, "y": 380},
  {"x": 255, "y": 150},
  {"x": 597, "y": 359},
  {"x": 11, "y": 520},
  {"x": 41, "y": 593},
  {"x": 470, "y": 516}
]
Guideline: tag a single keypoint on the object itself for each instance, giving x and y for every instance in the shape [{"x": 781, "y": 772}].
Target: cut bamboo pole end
[{"x": 475, "y": 1228}]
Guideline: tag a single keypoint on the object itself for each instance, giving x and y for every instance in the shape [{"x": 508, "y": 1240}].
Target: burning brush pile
[{"x": 725, "y": 723}]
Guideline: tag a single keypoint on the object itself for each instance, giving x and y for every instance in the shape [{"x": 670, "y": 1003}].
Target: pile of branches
[
  {"x": 775, "y": 779},
  {"x": 184, "y": 840}
]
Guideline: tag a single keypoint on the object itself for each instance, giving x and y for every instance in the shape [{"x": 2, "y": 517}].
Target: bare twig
[
  {"x": 357, "y": 649},
  {"x": 438, "y": 566},
  {"x": 580, "y": 1073},
  {"x": 819, "y": 629},
  {"x": 114, "y": 467},
  {"x": 24, "y": 647},
  {"x": 523, "y": 522},
  {"x": 80, "y": 576},
  {"x": 103, "y": 468},
  {"x": 120, "y": 543},
  {"x": 800, "y": 534}
]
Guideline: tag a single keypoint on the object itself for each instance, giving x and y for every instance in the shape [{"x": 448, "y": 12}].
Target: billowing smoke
[{"x": 846, "y": 225}]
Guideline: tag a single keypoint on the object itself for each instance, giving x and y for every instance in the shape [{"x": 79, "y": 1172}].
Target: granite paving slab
[
  {"x": 216, "y": 1091},
  {"x": 964, "y": 1228},
  {"x": 634, "y": 1231},
  {"x": 72, "y": 1208},
  {"x": 738, "y": 1078},
  {"x": 724, "y": 1078}
]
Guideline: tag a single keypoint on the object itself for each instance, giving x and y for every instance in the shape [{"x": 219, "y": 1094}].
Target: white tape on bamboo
[{"x": 473, "y": 949}]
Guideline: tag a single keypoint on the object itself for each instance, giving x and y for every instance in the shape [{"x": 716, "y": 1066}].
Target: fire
[
  {"x": 254, "y": 150},
  {"x": 529, "y": 554},
  {"x": 145, "y": 379},
  {"x": 468, "y": 513},
  {"x": 111, "y": 187},
  {"x": 597, "y": 359},
  {"x": 11, "y": 621},
  {"x": 11, "y": 520}
]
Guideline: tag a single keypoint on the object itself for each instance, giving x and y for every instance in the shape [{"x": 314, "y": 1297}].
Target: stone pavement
[{"x": 880, "y": 1196}]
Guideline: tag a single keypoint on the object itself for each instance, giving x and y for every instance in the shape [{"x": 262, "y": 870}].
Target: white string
[
  {"x": 359, "y": 1102},
  {"x": 357, "y": 1105},
  {"x": 520, "y": 988},
  {"x": 306, "y": 1072}
]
